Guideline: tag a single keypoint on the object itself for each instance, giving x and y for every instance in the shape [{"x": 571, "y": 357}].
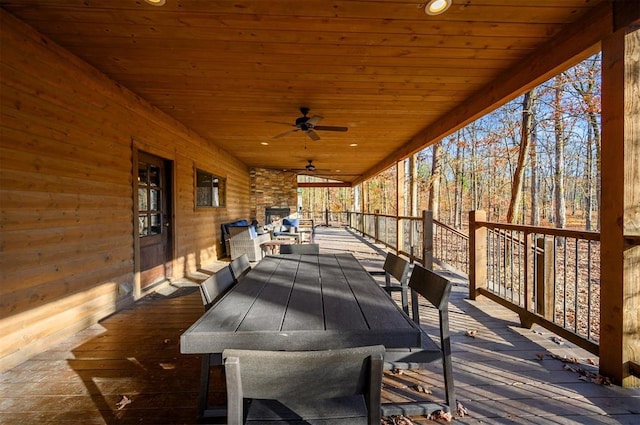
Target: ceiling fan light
[
  {"x": 436, "y": 7},
  {"x": 156, "y": 2}
]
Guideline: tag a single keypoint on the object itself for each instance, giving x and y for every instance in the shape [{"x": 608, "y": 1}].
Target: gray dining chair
[
  {"x": 215, "y": 286},
  {"x": 211, "y": 290},
  {"x": 436, "y": 290},
  {"x": 396, "y": 273},
  {"x": 332, "y": 386},
  {"x": 240, "y": 266},
  {"x": 305, "y": 248}
]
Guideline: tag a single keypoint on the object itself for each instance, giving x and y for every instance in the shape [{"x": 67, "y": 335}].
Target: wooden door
[{"x": 154, "y": 219}]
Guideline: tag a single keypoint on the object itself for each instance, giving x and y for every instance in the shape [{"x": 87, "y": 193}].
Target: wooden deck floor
[{"x": 135, "y": 355}]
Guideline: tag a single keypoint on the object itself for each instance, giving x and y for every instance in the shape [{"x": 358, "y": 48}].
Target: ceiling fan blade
[
  {"x": 314, "y": 120},
  {"x": 330, "y": 128},
  {"x": 277, "y": 136},
  {"x": 312, "y": 134}
]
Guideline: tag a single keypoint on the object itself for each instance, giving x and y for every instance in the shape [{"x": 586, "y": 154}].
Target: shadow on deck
[{"x": 503, "y": 374}]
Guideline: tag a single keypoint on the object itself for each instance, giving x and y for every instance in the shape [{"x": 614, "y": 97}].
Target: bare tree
[
  {"x": 434, "y": 187},
  {"x": 525, "y": 137},
  {"x": 560, "y": 203},
  {"x": 535, "y": 210}
]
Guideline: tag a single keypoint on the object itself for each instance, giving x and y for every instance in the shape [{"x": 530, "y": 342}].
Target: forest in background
[{"x": 535, "y": 161}]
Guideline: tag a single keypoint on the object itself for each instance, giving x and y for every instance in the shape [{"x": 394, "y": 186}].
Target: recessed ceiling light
[
  {"x": 156, "y": 2},
  {"x": 264, "y": 143},
  {"x": 353, "y": 145},
  {"x": 436, "y": 7}
]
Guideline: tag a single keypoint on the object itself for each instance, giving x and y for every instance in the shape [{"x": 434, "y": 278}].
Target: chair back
[
  {"x": 240, "y": 266},
  {"x": 397, "y": 267},
  {"x": 216, "y": 285},
  {"x": 305, "y": 248},
  {"x": 435, "y": 288},
  {"x": 304, "y": 375}
]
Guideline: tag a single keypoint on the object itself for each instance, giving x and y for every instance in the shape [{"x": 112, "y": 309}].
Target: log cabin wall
[{"x": 68, "y": 141}]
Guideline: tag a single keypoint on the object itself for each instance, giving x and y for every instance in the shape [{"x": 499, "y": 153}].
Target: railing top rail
[
  {"x": 451, "y": 229},
  {"x": 577, "y": 234}
]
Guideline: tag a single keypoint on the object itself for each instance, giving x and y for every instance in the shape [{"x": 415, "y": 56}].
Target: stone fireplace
[
  {"x": 273, "y": 214},
  {"x": 275, "y": 190}
]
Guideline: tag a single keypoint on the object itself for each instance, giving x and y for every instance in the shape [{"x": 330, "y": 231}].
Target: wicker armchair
[{"x": 244, "y": 240}]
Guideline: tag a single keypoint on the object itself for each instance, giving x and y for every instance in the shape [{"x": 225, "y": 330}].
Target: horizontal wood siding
[{"x": 68, "y": 136}]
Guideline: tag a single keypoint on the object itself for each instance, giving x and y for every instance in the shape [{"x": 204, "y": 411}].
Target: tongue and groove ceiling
[{"x": 237, "y": 72}]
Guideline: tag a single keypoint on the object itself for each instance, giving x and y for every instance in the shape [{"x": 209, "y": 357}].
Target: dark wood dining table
[{"x": 303, "y": 302}]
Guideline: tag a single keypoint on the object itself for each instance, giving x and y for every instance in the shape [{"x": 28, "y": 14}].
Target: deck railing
[
  {"x": 548, "y": 276},
  {"x": 415, "y": 236}
]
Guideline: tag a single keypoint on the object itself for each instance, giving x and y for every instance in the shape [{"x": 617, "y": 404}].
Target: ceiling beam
[
  {"x": 576, "y": 43},
  {"x": 327, "y": 184}
]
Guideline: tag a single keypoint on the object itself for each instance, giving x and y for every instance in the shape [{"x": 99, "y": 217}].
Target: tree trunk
[
  {"x": 535, "y": 209},
  {"x": 560, "y": 203},
  {"x": 525, "y": 137},
  {"x": 434, "y": 188},
  {"x": 458, "y": 181}
]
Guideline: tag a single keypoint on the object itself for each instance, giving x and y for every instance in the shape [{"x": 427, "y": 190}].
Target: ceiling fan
[
  {"x": 309, "y": 125},
  {"x": 309, "y": 168}
]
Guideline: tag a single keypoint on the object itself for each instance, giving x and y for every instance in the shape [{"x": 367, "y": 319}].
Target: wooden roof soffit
[{"x": 577, "y": 42}]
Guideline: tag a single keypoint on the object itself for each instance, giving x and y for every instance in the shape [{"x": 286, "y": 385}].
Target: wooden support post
[
  {"x": 544, "y": 278},
  {"x": 427, "y": 240},
  {"x": 376, "y": 224},
  {"x": 401, "y": 202},
  {"x": 620, "y": 207},
  {"x": 413, "y": 170},
  {"x": 478, "y": 252}
]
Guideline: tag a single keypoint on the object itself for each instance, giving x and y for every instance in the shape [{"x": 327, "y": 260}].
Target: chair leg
[
  {"x": 447, "y": 365},
  {"x": 204, "y": 384},
  {"x": 405, "y": 297}
]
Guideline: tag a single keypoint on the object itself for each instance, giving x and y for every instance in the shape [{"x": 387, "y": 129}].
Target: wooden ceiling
[{"x": 237, "y": 72}]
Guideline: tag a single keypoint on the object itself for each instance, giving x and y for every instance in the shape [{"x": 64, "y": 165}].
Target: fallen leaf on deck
[
  {"x": 540, "y": 356},
  {"x": 167, "y": 366},
  {"x": 397, "y": 372},
  {"x": 123, "y": 402},
  {"x": 592, "y": 362},
  {"x": 461, "y": 410},
  {"x": 166, "y": 341},
  {"x": 601, "y": 380},
  {"x": 440, "y": 414},
  {"x": 421, "y": 389},
  {"x": 557, "y": 340},
  {"x": 396, "y": 420},
  {"x": 471, "y": 332}
]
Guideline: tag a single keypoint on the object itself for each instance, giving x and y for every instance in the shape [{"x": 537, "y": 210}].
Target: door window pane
[
  {"x": 144, "y": 225},
  {"x": 155, "y": 200},
  {"x": 154, "y": 175},
  {"x": 156, "y": 224},
  {"x": 143, "y": 204}
]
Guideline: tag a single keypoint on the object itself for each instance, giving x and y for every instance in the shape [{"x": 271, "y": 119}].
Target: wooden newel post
[
  {"x": 427, "y": 240},
  {"x": 477, "y": 252},
  {"x": 544, "y": 278},
  {"x": 376, "y": 224}
]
